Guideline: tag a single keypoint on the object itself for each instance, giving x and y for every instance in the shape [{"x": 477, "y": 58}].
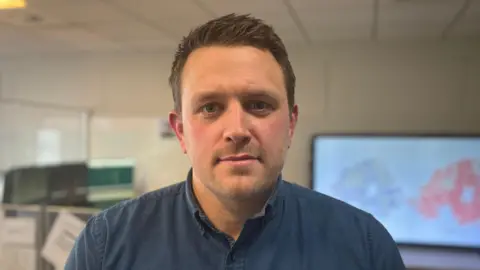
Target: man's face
[{"x": 235, "y": 124}]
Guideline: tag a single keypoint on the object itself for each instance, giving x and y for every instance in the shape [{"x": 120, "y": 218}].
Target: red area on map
[{"x": 447, "y": 186}]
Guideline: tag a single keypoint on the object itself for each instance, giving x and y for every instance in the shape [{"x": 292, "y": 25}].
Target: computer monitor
[
  {"x": 63, "y": 185},
  {"x": 424, "y": 189}
]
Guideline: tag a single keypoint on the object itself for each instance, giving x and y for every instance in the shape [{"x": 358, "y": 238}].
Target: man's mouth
[{"x": 238, "y": 159}]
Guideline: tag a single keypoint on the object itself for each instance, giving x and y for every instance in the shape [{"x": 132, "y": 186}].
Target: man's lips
[{"x": 238, "y": 158}]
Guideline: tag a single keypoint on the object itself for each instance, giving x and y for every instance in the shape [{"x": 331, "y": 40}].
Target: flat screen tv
[{"x": 424, "y": 189}]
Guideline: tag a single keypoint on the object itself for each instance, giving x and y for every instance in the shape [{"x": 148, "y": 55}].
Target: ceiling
[{"x": 150, "y": 25}]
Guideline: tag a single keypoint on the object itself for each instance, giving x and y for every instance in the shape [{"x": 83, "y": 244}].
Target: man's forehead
[
  {"x": 210, "y": 67},
  {"x": 245, "y": 84}
]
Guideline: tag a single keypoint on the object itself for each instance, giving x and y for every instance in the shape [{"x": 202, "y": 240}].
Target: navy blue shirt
[{"x": 300, "y": 229}]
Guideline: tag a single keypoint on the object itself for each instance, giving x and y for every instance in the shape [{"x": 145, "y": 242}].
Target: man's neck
[{"x": 227, "y": 215}]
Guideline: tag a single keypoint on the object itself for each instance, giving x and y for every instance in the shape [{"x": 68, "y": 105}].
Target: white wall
[
  {"x": 417, "y": 87},
  {"x": 353, "y": 87},
  {"x": 40, "y": 135}
]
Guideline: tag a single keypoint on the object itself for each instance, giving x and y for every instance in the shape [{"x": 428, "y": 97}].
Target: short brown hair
[{"x": 232, "y": 30}]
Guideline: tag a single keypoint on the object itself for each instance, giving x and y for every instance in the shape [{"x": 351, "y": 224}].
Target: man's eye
[
  {"x": 210, "y": 108},
  {"x": 258, "y": 106}
]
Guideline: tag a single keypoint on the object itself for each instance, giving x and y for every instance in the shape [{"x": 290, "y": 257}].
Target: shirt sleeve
[
  {"x": 88, "y": 251},
  {"x": 384, "y": 252}
]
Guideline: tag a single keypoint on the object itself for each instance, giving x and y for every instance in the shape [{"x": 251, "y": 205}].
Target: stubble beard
[{"x": 251, "y": 187}]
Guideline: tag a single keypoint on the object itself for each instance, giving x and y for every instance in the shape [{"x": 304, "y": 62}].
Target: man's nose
[{"x": 237, "y": 128}]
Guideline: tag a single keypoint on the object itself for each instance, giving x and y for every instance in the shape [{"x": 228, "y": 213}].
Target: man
[{"x": 234, "y": 116}]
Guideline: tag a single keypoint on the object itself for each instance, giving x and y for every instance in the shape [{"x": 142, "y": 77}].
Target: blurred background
[{"x": 84, "y": 101}]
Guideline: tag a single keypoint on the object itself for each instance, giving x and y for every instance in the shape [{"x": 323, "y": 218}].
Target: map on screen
[{"x": 424, "y": 190}]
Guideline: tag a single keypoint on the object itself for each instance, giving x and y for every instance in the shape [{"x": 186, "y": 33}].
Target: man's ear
[
  {"x": 293, "y": 123},
  {"x": 175, "y": 121}
]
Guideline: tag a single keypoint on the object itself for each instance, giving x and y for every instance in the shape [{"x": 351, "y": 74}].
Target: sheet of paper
[
  {"x": 18, "y": 231},
  {"x": 61, "y": 239},
  {"x": 17, "y": 258},
  {"x": 17, "y": 239}
]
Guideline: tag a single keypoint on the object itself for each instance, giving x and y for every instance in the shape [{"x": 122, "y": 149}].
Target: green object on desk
[{"x": 110, "y": 182}]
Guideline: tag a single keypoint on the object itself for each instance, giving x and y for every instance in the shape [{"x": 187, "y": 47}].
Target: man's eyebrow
[
  {"x": 207, "y": 96},
  {"x": 247, "y": 93},
  {"x": 259, "y": 93},
  {"x": 266, "y": 95}
]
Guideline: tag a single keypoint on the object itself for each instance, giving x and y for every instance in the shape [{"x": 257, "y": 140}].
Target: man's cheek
[
  {"x": 200, "y": 141},
  {"x": 274, "y": 130},
  {"x": 197, "y": 132}
]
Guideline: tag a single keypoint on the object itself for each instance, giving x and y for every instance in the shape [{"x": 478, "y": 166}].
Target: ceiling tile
[
  {"x": 337, "y": 24},
  {"x": 153, "y": 24},
  {"x": 178, "y": 16},
  {"x": 79, "y": 11},
  {"x": 336, "y": 17},
  {"x": 161, "y": 7},
  {"x": 29, "y": 16},
  {"x": 178, "y": 28},
  {"x": 222, "y": 7},
  {"x": 77, "y": 38},
  {"x": 128, "y": 30},
  {"x": 335, "y": 20},
  {"x": 343, "y": 33},
  {"x": 416, "y": 19},
  {"x": 323, "y": 5},
  {"x": 341, "y": 12},
  {"x": 271, "y": 11}
]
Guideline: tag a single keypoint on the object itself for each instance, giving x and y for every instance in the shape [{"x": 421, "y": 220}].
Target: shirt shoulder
[
  {"x": 107, "y": 232},
  {"x": 344, "y": 222},
  {"x": 144, "y": 205},
  {"x": 135, "y": 214},
  {"x": 330, "y": 207},
  {"x": 346, "y": 227}
]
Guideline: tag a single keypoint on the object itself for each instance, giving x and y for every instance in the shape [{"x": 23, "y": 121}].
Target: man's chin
[
  {"x": 243, "y": 194},
  {"x": 245, "y": 186}
]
